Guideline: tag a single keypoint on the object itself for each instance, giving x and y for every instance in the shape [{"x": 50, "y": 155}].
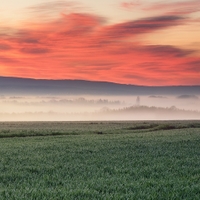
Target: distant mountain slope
[{"x": 24, "y": 86}]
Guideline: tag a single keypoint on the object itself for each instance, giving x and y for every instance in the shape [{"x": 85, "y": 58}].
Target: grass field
[{"x": 100, "y": 160}]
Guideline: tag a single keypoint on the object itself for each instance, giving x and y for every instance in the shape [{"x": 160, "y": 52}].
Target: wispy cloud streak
[{"x": 176, "y": 8}]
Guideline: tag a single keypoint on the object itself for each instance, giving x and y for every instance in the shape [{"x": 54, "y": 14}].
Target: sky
[{"x": 140, "y": 42}]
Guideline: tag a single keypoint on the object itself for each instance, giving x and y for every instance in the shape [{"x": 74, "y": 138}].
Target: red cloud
[
  {"x": 81, "y": 46},
  {"x": 146, "y": 25}
]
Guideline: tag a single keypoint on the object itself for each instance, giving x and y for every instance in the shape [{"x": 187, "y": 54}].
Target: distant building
[{"x": 138, "y": 101}]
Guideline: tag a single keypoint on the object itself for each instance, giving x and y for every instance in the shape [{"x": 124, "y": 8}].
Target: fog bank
[{"x": 83, "y": 108}]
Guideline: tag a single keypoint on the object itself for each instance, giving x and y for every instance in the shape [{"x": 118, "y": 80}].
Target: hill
[{"x": 25, "y": 86}]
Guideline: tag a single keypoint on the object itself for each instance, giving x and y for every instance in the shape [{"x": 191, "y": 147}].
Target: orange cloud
[{"x": 83, "y": 46}]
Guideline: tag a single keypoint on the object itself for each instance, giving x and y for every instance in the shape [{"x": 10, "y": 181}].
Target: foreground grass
[{"x": 126, "y": 160}]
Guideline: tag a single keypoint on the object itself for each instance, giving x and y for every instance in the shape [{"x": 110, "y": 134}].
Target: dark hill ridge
[{"x": 25, "y": 86}]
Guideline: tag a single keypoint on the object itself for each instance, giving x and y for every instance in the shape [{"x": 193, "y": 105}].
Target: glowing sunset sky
[{"x": 144, "y": 42}]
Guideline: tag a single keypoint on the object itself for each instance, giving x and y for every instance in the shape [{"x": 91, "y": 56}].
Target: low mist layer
[{"x": 78, "y": 108}]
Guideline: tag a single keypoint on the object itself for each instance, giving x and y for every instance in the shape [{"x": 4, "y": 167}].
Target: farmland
[{"x": 100, "y": 160}]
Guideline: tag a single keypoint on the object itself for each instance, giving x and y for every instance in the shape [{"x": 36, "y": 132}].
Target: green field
[{"x": 100, "y": 160}]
